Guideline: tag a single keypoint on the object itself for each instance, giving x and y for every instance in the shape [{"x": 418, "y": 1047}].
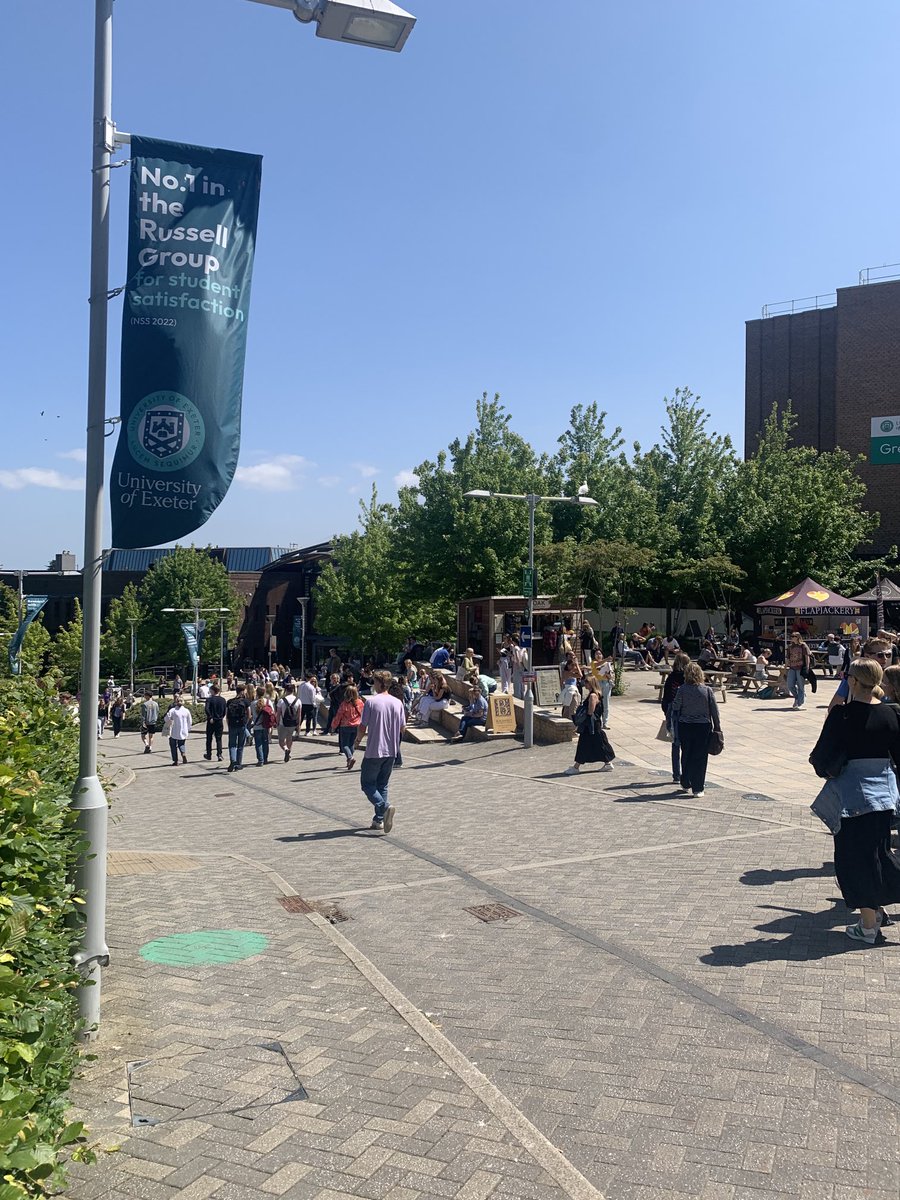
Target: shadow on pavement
[
  {"x": 325, "y": 835},
  {"x": 809, "y": 936},
  {"x": 761, "y": 877}
]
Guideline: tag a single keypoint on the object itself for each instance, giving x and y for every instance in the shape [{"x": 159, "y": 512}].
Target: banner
[
  {"x": 193, "y": 639},
  {"x": 33, "y": 605},
  {"x": 191, "y": 240},
  {"x": 297, "y": 632}
]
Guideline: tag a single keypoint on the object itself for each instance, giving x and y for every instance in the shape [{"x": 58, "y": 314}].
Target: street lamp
[
  {"x": 376, "y": 23},
  {"x": 197, "y": 608},
  {"x": 532, "y": 501},
  {"x": 132, "y": 621},
  {"x": 303, "y": 601}
]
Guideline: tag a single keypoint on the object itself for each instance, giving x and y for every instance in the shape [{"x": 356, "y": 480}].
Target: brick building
[{"x": 838, "y": 362}]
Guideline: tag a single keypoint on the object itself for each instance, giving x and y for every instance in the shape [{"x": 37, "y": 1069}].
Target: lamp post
[
  {"x": 132, "y": 621},
  {"x": 303, "y": 601},
  {"x": 377, "y": 23},
  {"x": 532, "y": 501},
  {"x": 222, "y": 648},
  {"x": 197, "y": 608}
]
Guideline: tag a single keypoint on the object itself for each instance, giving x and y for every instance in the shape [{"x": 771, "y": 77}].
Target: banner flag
[
  {"x": 33, "y": 605},
  {"x": 297, "y": 632},
  {"x": 193, "y": 639},
  {"x": 191, "y": 240}
]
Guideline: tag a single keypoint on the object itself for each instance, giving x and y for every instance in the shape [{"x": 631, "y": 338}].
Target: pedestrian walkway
[{"x": 667, "y": 1007}]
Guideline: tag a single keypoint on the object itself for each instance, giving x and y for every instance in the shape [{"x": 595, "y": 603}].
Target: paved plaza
[{"x": 671, "y": 1009}]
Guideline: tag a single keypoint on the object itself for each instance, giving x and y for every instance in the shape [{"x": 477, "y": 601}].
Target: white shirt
[
  {"x": 289, "y": 704},
  {"x": 203, "y": 691},
  {"x": 178, "y": 723},
  {"x": 307, "y": 693}
]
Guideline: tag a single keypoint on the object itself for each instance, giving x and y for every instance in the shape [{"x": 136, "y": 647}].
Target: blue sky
[{"x": 563, "y": 203}]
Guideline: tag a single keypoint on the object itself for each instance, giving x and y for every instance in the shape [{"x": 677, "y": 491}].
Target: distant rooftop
[{"x": 237, "y": 559}]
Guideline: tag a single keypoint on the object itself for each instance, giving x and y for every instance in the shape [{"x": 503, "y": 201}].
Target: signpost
[
  {"x": 529, "y": 582},
  {"x": 525, "y": 638},
  {"x": 884, "y": 444}
]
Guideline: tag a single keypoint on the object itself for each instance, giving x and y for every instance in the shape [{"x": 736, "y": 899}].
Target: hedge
[
  {"x": 38, "y": 1012},
  {"x": 132, "y": 719}
]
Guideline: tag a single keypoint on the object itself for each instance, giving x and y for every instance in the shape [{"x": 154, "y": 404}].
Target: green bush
[{"x": 38, "y": 1012}]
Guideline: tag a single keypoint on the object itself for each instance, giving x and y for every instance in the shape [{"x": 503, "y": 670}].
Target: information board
[{"x": 549, "y": 687}]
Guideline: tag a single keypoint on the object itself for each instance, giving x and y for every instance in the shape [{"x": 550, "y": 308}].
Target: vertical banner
[
  {"x": 297, "y": 632},
  {"x": 191, "y": 240},
  {"x": 33, "y": 605},
  {"x": 193, "y": 639}
]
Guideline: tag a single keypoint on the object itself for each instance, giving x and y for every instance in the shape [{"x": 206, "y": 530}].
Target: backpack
[
  {"x": 289, "y": 714},
  {"x": 236, "y": 713},
  {"x": 581, "y": 716},
  {"x": 267, "y": 717}
]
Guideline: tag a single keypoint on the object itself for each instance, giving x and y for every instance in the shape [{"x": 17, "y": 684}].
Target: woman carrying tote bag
[{"x": 695, "y": 710}]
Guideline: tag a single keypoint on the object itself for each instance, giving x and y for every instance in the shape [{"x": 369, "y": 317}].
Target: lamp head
[{"x": 479, "y": 493}]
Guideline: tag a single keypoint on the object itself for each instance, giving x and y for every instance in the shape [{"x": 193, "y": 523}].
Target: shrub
[
  {"x": 132, "y": 719},
  {"x": 38, "y": 1013}
]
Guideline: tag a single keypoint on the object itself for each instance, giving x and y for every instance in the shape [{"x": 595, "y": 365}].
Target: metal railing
[
  {"x": 806, "y": 304},
  {"x": 874, "y": 274}
]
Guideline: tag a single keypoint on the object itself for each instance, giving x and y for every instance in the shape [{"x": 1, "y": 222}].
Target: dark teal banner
[
  {"x": 191, "y": 239},
  {"x": 33, "y": 605}
]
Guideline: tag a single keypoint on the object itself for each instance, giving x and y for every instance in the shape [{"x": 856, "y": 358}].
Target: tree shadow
[
  {"x": 762, "y": 877},
  {"x": 809, "y": 936}
]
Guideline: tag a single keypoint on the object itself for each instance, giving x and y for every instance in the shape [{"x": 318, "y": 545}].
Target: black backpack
[
  {"x": 289, "y": 713},
  {"x": 581, "y": 716},
  {"x": 236, "y": 713}
]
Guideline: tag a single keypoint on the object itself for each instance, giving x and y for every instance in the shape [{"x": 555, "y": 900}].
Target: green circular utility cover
[{"x": 204, "y": 947}]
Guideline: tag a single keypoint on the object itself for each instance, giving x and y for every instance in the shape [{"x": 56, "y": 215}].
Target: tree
[
  {"x": 449, "y": 547},
  {"x": 792, "y": 511},
  {"x": 173, "y": 582},
  {"x": 65, "y": 652},
  {"x": 587, "y": 456},
  {"x": 35, "y": 644},
  {"x": 359, "y": 596},
  {"x": 607, "y": 573},
  {"x": 115, "y": 641}
]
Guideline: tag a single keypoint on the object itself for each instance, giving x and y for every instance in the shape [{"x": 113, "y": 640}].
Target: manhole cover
[
  {"x": 132, "y": 862},
  {"x": 243, "y": 1081},
  {"x": 204, "y": 947},
  {"x": 755, "y": 796},
  {"x": 294, "y": 904},
  {"x": 492, "y": 912}
]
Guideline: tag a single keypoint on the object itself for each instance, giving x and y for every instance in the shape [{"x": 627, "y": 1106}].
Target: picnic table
[{"x": 715, "y": 679}]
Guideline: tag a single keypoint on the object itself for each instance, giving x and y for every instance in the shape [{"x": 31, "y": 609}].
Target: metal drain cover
[
  {"x": 294, "y": 904},
  {"x": 755, "y": 796},
  {"x": 243, "y": 1081},
  {"x": 492, "y": 912}
]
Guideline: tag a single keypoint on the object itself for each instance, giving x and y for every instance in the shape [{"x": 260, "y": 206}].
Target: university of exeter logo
[
  {"x": 165, "y": 431},
  {"x": 887, "y": 425}
]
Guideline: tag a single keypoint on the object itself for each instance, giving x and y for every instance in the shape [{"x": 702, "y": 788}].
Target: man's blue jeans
[
  {"x": 374, "y": 778},
  {"x": 466, "y": 721},
  {"x": 236, "y": 740},
  {"x": 796, "y": 683}
]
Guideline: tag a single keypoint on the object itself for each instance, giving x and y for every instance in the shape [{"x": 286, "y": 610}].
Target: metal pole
[
  {"x": 197, "y": 651},
  {"x": 221, "y": 651},
  {"x": 88, "y": 798},
  {"x": 528, "y": 715},
  {"x": 302, "y": 601},
  {"x": 131, "y": 625}
]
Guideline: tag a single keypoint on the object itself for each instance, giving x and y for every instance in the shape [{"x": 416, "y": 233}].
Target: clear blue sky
[{"x": 563, "y": 203}]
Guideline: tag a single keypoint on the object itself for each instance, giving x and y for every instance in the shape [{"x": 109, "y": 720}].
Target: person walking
[
  {"x": 176, "y": 727},
  {"x": 308, "y": 691},
  {"x": 346, "y": 722},
  {"x": 697, "y": 714},
  {"x": 237, "y": 715},
  {"x": 593, "y": 744},
  {"x": 262, "y": 721},
  {"x": 116, "y": 713},
  {"x": 149, "y": 720},
  {"x": 798, "y": 661},
  {"x": 603, "y": 671},
  {"x": 382, "y": 725},
  {"x": 287, "y": 709},
  {"x": 588, "y": 643},
  {"x": 674, "y": 680},
  {"x": 215, "y": 708},
  {"x": 858, "y": 745}
]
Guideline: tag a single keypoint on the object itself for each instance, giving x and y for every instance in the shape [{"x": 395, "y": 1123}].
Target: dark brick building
[{"x": 839, "y": 365}]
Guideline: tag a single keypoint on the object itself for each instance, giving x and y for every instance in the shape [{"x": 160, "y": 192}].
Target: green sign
[
  {"x": 529, "y": 581},
  {"x": 884, "y": 443},
  {"x": 192, "y": 235}
]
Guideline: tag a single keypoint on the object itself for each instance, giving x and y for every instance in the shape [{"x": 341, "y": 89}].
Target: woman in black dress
[
  {"x": 593, "y": 744},
  {"x": 854, "y": 753}
]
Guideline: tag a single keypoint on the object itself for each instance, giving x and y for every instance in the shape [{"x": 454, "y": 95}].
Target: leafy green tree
[
  {"x": 589, "y": 458},
  {"x": 359, "y": 596},
  {"x": 173, "y": 582},
  {"x": 37, "y": 639},
  {"x": 449, "y": 547},
  {"x": 115, "y": 641},
  {"x": 65, "y": 651},
  {"x": 609, "y": 574},
  {"x": 792, "y": 511}
]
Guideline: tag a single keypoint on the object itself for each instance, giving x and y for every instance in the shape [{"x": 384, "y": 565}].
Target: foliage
[
  {"x": 115, "y": 641},
  {"x": 792, "y": 511},
  {"x": 38, "y": 928},
  {"x": 359, "y": 596},
  {"x": 173, "y": 582},
  {"x": 37, "y": 639},
  {"x": 65, "y": 652},
  {"x": 607, "y": 573}
]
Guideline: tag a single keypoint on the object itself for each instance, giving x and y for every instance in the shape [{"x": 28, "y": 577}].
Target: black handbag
[{"x": 716, "y": 741}]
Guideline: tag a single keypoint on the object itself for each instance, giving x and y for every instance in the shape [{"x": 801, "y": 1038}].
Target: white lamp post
[
  {"x": 532, "y": 501},
  {"x": 376, "y": 23}
]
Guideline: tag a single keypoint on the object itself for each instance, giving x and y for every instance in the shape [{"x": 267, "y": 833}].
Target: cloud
[
  {"x": 406, "y": 479},
  {"x": 23, "y": 477},
  {"x": 329, "y": 480},
  {"x": 77, "y": 455},
  {"x": 281, "y": 473},
  {"x": 365, "y": 470}
]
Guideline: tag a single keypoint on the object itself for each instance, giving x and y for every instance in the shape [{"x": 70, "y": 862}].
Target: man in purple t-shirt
[{"x": 383, "y": 719}]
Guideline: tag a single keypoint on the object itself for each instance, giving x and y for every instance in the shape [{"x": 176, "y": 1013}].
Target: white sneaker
[
  {"x": 607, "y": 767},
  {"x": 572, "y": 770},
  {"x": 697, "y": 795}
]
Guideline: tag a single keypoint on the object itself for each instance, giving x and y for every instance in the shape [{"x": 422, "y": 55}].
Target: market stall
[{"x": 813, "y": 611}]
